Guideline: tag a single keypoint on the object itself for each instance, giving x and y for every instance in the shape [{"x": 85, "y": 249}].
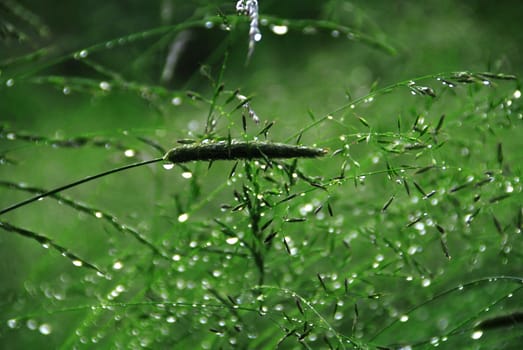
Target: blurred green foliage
[{"x": 406, "y": 235}]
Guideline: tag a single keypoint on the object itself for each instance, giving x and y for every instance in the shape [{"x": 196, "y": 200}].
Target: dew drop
[
  {"x": 66, "y": 90},
  {"x": 257, "y": 37},
  {"x": 425, "y": 282},
  {"x": 9, "y": 82},
  {"x": 232, "y": 240},
  {"x": 176, "y": 101},
  {"x": 309, "y": 30},
  {"x": 307, "y": 208},
  {"x": 168, "y": 166},
  {"x": 45, "y": 329},
  {"x": 279, "y": 30},
  {"x": 105, "y": 86},
  {"x": 12, "y": 323},
  {"x": 183, "y": 217},
  {"x": 187, "y": 175},
  {"x": 98, "y": 214},
  {"x": 78, "y": 263},
  {"x": 335, "y": 33},
  {"x": 404, "y": 318},
  {"x": 117, "y": 265},
  {"x": 476, "y": 335},
  {"x": 31, "y": 324},
  {"x": 517, "y": 94},
  {"x": 209, "y": 24},
  {"x": 129, "y": 153}
]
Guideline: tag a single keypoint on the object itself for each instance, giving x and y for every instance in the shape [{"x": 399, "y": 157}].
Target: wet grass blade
[{"x": 48, "y": 242}]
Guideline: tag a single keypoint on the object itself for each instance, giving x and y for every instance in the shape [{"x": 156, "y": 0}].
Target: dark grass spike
[
  {"x": 424, "y": 169},
  {"x": 519, "y": 219},
  {"x": 270, "y": 237},
  {"x": 329, "y": 209},
  {"x": 419, "y": 188},
  {"x": 440, "y": 124},
  {"x": 240, "y": 150},
  {"x": 291, "y": 220},
  {"x": 244, "y": 124},
  {"x": 445, "y": 248},
  {"x": 264, "y": 226},
  {"x": 298, "y": 305},
  {"x": 387, "y": 204},
  {"x": 415, "y": 221},
  {"x": 459, "y": 187},
  {"x": 207, "y": 152},
  {"x": 406, "y": 185},
  {"x": 499, "y": 198},
  {"x": 43, "y": 240},
  {"x": 322, "y": 282},
  {"x": 500, "y": 153},
  {"x": 288, "y": 198},
  {"x": 497, "y": 224},
  {"x": 430, "y": 194},
  {"x": 287, "y": 248},
  {"x": 265, "y": 130},
  {"x": 356, "y": 317}
]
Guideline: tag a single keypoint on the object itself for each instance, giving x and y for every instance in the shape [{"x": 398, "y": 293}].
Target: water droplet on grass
[
  {"x": 183, "y": 217},
  {"x": 187, "y": 175},
  {"x": 81, "y": 54},
  {"x": 517, "y": 94},
  {"x": 476, "y": 335},
  {"x": 176, "y": 101},
  {"x": 66, "y": 90},
  {"x": 45, "y": 329},
  {"x": 12, "y": 323},
  {"x": 31, "y": 324},
  {"x": 232, "y": 240},
  {"x": 425, "y": 282},
  {"x": 118, "y": 265},
  {"x": 105, "y": 86},
  {"x": 77, "y": 263},
  {"x": 168, "y": 166},
  {"x": 404, "y": 318},
  {"x": 9, "y": 82},
  {"x": 279, "y": 29},
  {"x": 307, "y": 208}
]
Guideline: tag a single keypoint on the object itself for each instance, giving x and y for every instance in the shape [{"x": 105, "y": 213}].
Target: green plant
[{"x": 405, "y": 234}]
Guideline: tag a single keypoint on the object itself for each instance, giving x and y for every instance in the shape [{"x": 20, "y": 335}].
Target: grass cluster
[{"x": 405, "y": 234}]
